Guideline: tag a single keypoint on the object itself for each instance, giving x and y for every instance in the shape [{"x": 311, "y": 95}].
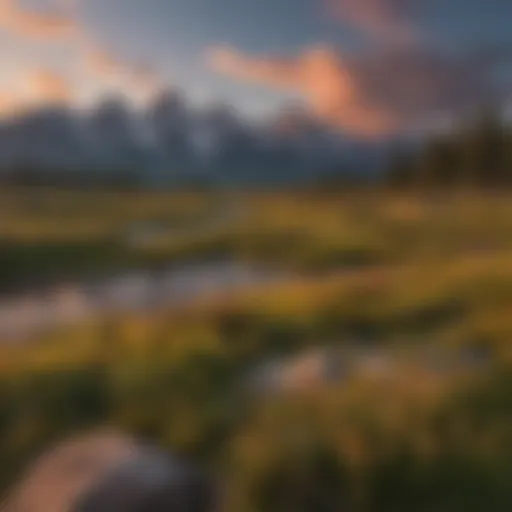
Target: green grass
[{"x": 401, "y": 272}]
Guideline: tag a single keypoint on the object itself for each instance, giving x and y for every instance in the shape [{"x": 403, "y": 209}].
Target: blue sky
[
  {"x": 172, "y": 35},
  {"x": 74, "y": 50}
]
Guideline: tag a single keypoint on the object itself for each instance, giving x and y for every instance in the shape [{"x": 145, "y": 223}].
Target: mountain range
[{"x": 169, "y": 142}]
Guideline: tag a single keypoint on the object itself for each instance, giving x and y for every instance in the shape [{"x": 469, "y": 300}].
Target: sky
[{"x": 367, "y": 67}]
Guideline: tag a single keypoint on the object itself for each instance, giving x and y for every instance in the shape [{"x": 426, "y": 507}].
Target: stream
[{"x": 25, "y": 315}]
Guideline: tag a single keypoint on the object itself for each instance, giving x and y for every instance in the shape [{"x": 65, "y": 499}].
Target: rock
[{"x": 110, "y": 472}]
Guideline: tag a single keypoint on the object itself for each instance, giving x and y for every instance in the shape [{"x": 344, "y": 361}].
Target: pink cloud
[
  {"x": 54, "y": 24},
  {"x": 100, "y": 62},
  {"x": 385, "y": 20},
  {"x": 35, "y": 87},
  {"x": 105, "y": 66},
  {"x": 320, "y": 75},
  {"x": 373, "y": 93},
  {"x": 46, "y": 86},
  {"x": 9, "y": 103}
]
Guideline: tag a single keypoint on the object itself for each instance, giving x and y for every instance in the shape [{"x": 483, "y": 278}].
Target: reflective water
[{"x": 25, "y": 315}]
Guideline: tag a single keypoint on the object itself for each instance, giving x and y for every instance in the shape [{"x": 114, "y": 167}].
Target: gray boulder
[{"x": 109, "y": 472}]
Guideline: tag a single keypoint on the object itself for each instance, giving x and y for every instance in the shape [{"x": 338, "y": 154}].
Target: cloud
[
  {"x": 275, "y": 71},
  {"x": 101, "y": 63},
  {"x": 371, "y": 94},
  {"x": 106, "y": 67},
  {"x": 384, "y": 20},
  {"x": 53, "y": 24},
  {"x": 61, "y": 23},
  {"x": 319, "y": 74},
  {"x": 9, "y": 104},
  {"x": 46, "y": 86},
  {"x": 34, "y": 88}
]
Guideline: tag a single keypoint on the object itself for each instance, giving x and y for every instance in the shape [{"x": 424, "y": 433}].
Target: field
[{"x": 413, "y": 293}]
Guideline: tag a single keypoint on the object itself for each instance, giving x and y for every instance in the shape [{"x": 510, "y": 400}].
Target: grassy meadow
[{"x": 403, "y": 274}]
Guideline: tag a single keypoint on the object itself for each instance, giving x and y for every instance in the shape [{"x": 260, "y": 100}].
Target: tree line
[{"x": 476, "y": 154}]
